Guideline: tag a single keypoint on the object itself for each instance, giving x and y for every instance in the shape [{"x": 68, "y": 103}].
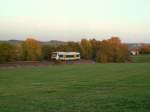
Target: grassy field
[
  {"x": 141, "y": 59},
  {"x": 76, "y": 88}
]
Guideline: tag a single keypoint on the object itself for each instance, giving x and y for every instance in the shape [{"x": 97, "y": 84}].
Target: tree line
[
  {"x": 145, "y": 49},
  {"x": 110, "y": 50}
]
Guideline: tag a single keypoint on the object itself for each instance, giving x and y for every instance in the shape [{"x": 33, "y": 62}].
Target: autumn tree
[
  {"x": 31, "y": 50},
  {"x": 95, "y": 45},
  {"x": 145, "y": 49},
  {"x": 7, "y": 52},
  {"x": 112, "y": 50},
  {"x": 86, "y": 49}
]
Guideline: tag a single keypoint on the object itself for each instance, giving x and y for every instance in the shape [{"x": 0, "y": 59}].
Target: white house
[
  {"x": 66, "y": 56},
  {"x": 134, "y": 52}
]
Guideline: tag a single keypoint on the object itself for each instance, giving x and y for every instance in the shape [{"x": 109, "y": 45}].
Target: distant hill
[
  {"x": 136, "y": 45},
  {"x": 15, "y": 42},
  {"x": 52, "y": 42},
  {"x": 133, "y": 45}
]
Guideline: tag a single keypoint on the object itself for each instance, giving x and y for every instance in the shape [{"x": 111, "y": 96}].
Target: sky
[{"x": 71, "y": 20}]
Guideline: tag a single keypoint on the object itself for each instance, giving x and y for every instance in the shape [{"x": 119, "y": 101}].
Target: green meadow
[
  {"x": 76, "y": 88},
  {"x": 140, "y": 59}
]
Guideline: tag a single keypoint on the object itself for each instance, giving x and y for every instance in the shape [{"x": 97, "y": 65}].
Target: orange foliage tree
[
  {"x": 112, "y": 50},
  {"x": 31, "y": 50},
  {"x": 145, "y": 49}
]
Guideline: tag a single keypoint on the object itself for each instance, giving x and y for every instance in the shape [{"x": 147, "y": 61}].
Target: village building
[{"x": 134, "y": 51}]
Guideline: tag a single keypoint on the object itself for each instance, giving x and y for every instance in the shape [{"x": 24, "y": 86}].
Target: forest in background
[{"x": 110, "y": 50}]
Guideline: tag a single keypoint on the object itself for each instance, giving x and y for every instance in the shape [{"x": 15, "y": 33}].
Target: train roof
[{"x": 67, "y": 53}]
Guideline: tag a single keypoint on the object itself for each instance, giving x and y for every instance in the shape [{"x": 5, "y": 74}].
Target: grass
[
  {"x": 76, "y": 88},
  {"x": 141, "y": 59}
]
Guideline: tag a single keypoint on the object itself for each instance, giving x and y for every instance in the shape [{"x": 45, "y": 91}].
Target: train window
[
  {"x": 69, "y": 56},
  {"x": 61, "y": 56},
  {"x": 77, "y": 55}
]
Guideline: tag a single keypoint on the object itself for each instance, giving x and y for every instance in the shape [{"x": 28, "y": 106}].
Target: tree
[
  {"x": 86, "y": 49},
  {"x": 145, "y": 49},
  {"x": 31, "y": 50},
  {"x": 95, "y": 47},
  {"x": 47, "y": 51},
  {"x": 73, "y": 46},
  {"x": 69, "y": 47},
  {"x": 112, "y": 50},
  {"x": 103, "y": 52},
  {"x": 7, "y": 52}
]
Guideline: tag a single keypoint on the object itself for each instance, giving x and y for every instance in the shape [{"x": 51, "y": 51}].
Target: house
[{"x": 134, "y": 51}]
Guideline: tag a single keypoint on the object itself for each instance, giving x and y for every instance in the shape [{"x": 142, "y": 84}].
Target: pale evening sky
[{"x": 75, "y": 19}]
